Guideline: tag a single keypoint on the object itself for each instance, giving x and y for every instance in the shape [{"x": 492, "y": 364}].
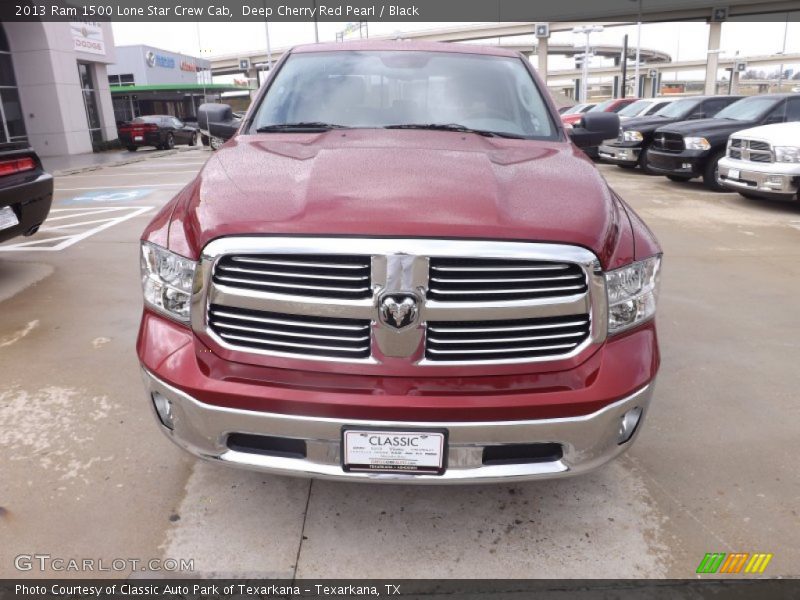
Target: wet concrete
[{"x": 86, "y": 473}]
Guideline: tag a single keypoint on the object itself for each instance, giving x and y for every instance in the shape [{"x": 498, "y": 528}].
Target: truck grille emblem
[{"x": 399, "y": 311}]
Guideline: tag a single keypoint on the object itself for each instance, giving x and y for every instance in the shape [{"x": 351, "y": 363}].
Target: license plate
[
  {"x": 8, "y": 218},
  {"x": 733, "y": 173},
  {"x": 138, "y": 138},
  {"x": 394, "y": 451}
]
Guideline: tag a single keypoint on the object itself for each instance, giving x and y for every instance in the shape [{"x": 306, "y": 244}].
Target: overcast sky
[{"x": 684, "y": 41}]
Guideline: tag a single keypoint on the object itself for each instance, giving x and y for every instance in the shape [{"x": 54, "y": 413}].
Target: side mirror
[
  {"x": 594, "y": 128},
  {"x": 218, "y": 120}
]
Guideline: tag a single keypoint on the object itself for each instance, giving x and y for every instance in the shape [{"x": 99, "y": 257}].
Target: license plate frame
[
  {"x": 138, "y": 138},
  {"x": 734, "y": 174},
  {"x": 8, "y": 218},
  {"x": 376, "y": 465}
]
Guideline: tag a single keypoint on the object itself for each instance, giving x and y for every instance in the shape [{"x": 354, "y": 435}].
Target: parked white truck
[{"x": 763, "y": 162}]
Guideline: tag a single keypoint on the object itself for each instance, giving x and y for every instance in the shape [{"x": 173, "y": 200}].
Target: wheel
[
  {"x": 204, "y": 139},
  {"x": 711, "y": 173},
  {"x": 644, "y": 163},
  {"x": 193, "y": 140},
  {"x": 216, "y": 143},
  {"x": 628, "y": 166},
  {"x": 170, "y": 142},
  {"x": 681, "y": 178},
  {"x": 133, "y": 148}
]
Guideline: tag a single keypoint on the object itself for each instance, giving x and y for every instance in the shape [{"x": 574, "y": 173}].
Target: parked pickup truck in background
[
  {"x": 26, "y": 191},
  {"x": 763, "y": 162},
  {"x": 636, "y": 134},
  {"x": 694, "y": 148},
  {"x": 388, "y": 273}
]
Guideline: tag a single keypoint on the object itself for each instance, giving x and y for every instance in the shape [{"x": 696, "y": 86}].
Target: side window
[
  {"x": 712, "y": 107},
  {"x": 777, "y": 114},
  {"x": 698, "y": 112},
  {"x": 176, "y": 123},
  {"x": 793, "y": 109},
  {"x": 656, "y": 107}
]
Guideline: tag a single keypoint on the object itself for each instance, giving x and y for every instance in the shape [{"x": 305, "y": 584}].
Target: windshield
[
  {"x": 578, "y": 108},
  {"x": 679, "y": 108},
  {"x": 635, "y": 108},
  {"x": 372, "y": 89},
  {"x": 602, "y": 106},
  {"x": 747, "y": 109}
]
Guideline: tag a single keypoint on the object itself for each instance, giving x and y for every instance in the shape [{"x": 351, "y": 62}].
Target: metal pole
[
  {"x": 269, "y": 48},
  {"x": 585, "y": 79},
  {"x": 316, "y": 27},
  {"x": 638, "y": 51},
  {"x": 624, "y": 84},
  {"x": 783, "y": 52}
]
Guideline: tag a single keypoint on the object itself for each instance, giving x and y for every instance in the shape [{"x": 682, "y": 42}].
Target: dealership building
[
  {"x": 149, "y": 81},
  {"x": 54, "y": 90}
]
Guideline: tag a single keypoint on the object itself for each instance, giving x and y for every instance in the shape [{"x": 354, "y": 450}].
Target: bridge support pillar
[
  {"x": 712, "y": 58},
  {"x": 541, "y": 55}
]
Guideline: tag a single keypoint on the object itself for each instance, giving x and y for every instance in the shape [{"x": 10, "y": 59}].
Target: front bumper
[
  {"x": 768, "y": 179},
  {"x": 619, "y": 155},
  {"x": 587, "y": 441},
  {"x": 689, "y": 163}
]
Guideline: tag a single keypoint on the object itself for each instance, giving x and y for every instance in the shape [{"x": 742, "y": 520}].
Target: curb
[{"x": 123, "y": 161}]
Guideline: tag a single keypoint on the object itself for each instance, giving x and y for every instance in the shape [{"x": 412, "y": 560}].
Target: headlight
[
  {"x": 632, "y": 136},
  {"x": 790, "y": 154},
  {"x": 167, "y": 281},
  {"x": 632, "y": 294},
  {"x": 696, "y": 143}
]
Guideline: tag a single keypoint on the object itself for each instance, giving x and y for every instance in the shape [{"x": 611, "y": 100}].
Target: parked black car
[
  {"x": 161, "y": 131},
  {"x": 26, "y": 191},
  {"x": 636, "y": 134},
  {"x": 690, "y": 149}
]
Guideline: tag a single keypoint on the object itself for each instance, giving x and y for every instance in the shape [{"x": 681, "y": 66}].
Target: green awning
[{"x": 178, "y": 87}]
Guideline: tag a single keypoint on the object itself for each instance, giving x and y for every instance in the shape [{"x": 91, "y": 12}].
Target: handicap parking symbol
[{"x": 111, "y": 196}]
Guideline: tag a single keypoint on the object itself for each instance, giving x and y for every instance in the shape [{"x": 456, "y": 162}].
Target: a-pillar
[{"x": 712, "y": 59}]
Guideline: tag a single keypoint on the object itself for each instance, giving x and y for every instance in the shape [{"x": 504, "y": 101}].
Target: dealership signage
[
  {"x": 87, "y": 37},
  {"x": 154, "y": 59}
]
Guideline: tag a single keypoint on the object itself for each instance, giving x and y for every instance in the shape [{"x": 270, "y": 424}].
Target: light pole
[
  {"x": 783, "y": 52},
  {"x": 638, "y": 50},
  {"x": 587, "y": 30}
]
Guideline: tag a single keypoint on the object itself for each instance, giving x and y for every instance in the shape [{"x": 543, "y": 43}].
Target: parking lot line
[{"x": 119, "y": 187}]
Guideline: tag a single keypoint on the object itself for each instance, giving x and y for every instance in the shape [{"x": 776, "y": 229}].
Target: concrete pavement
[{"x": 86, "y": 474}]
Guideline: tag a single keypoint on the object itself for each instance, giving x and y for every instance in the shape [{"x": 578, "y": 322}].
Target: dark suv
[
  {"x": 690, "y": 149},
  {"x": 636, "y": 134}
]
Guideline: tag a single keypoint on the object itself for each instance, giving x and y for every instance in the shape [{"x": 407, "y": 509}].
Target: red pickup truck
[{"x": 389, "y": 273}]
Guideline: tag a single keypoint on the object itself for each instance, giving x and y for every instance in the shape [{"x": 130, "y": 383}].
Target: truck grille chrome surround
[
  {"x": 429, "y": 302},
  {"x": 753, "y": 150}
]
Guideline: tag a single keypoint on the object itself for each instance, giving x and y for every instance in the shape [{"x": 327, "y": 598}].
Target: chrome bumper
[
  {"x": 588, "y": 441},
  {"x": 619, "y": 154},
  {"x": 769, "y": 178}
]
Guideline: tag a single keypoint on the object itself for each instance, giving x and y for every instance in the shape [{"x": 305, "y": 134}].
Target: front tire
[
  {"x": 216, "y": 143},
  {"x": 170, "y": 142},
  {"x": 711, "y": 174},
  {"x": 644, "y": 163},
  {"x": 133, "y": 148},
  {"x": 193, "y": 140}
]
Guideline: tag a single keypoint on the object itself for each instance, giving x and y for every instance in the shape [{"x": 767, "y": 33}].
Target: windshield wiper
[
  {"x": 457, "y": 128},
  {"x": 301, "y": 126}
]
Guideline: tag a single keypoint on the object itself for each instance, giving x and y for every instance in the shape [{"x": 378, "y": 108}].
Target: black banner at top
[{"x": 397, "y": 10}]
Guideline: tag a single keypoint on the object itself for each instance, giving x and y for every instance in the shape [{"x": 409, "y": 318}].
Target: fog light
[
  {"x": 628, "y": 423},
  {"x": 164, "y": 410},
  {"x": 775, "y": 181},
  {"x": 686, "y": 166}
]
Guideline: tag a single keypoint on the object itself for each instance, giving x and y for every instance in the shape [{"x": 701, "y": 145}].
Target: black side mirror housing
[
  {"x": 594, "y": 128},
  {"x": 218, "y": 120}
]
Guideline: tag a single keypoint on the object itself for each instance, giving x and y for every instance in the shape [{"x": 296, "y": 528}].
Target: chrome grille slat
[
  {"x": 487, "y": 279},
  {"x": 315, "y": 275},
  {"x": 464, "y": 341},
  {"x": 311, "y": 337}
]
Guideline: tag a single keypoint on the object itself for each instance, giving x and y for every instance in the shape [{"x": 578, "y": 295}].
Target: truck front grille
[
  {"x": 479, "y": 279},
  {"x": 375, "y": 301},
  {"x": 291, "y": 334},
  {"x": 752, "y": 150},
  {"x": 668, "y": 142},
  {"x": 471, "y": 341},
  {"x": 318, "y": 276}
]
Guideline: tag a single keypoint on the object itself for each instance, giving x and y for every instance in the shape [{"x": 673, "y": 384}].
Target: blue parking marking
[{"x": 111, "y": 195}]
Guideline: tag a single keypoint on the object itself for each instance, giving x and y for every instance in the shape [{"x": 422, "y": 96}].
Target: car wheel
[
  {"x": 193, "y": 140},
  {"x": 711, "y": 174},
  {"x": 170, "y": 142},
  {"x": 204, "y": 139},
  {"x": 644, "y": 163},
  {"x": 681, "y": 178},
  {"x": 133, "y": 148},
  {"x": 216, "y": 143}
]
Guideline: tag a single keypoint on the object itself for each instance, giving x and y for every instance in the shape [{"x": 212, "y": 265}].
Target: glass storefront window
[
  {"x": 12, "y": 125},
  {"x": 91, "y": 103}
]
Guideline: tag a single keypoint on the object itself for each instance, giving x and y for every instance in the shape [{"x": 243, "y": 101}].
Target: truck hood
[
  {"x": 707, "y": 127},
  {"x": 645, "y": 124},
  {"x": 778, "y": 134},
  {"x": 399, "y": 183}
]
